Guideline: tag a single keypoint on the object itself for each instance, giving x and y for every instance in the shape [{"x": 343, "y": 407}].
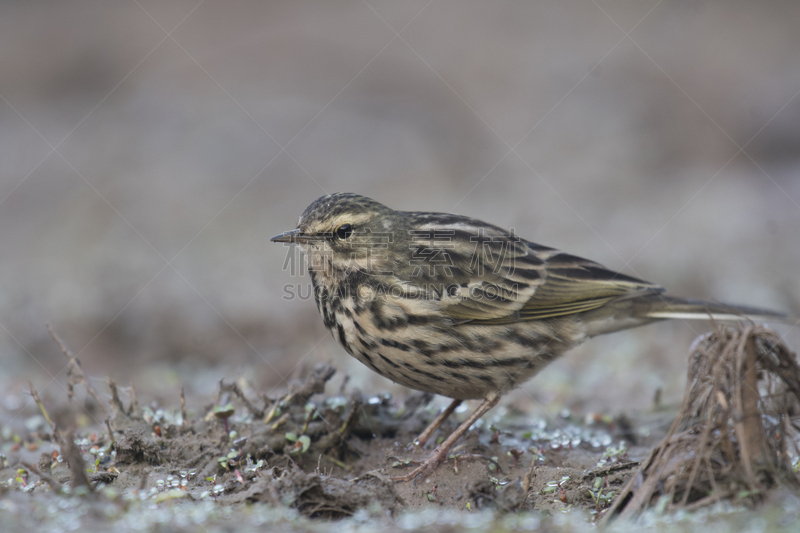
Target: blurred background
[{"x": 149, "y": 149}]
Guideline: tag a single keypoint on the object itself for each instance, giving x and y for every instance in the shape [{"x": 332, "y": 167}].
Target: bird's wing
[
  {"x": 482, "y": 274},
  {"x": 575, "y": 285},
  {"x": 536, "y": 282},
  {"x": 469, "y": 270}
]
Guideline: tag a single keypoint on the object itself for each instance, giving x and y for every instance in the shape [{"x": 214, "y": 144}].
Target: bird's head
[{"x": 346, "y": 231}]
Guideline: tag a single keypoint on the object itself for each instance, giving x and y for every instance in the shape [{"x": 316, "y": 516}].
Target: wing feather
[{"x": 506, "y": 279}]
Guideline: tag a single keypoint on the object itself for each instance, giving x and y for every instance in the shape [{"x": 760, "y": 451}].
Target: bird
[{"x": 451, "y": 305}]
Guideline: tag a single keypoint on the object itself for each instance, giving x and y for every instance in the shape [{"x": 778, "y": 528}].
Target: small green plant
[
  {"x": 301, "y": 443},
  {"x": 227, "y": 461},
  {"x": 553, "y": 486},
  {"x": 22, "y": 476},
  {"x": 96, "y": 453},
  {"x": 601, "y": 501},
  {"x": 224, "y": 412},
  {"x": 311, "y": 414},
  {"x": 614, "y": 454},
  {"x": 516, "y": 454},
  {"x": 538, "y": 452},
  {"x": 498, "y": 483},
  {"x": 255, "y": 467}
]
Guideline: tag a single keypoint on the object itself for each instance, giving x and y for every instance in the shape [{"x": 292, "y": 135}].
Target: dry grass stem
[{"x": 731, "y": 437}]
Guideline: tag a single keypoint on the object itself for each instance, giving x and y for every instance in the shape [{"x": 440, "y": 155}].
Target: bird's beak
[{"x": 295, "y": 236}]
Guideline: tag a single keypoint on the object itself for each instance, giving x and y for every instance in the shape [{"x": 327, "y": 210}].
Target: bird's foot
[
  {"x": 429, "y": 465},
  {"x": 425, "y": 467}
]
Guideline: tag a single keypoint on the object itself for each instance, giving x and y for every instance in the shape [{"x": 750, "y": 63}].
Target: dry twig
[
  {"x": 184, "y": 420},
  {"x": 234, "y": 389},
  {"x": 77, "y": 466},
  {"x": 56, "y": 435},
  {"x": 55, "y": 485},
  {"x": 732, "y": 432},
  {"x": 75, "y": 375}
]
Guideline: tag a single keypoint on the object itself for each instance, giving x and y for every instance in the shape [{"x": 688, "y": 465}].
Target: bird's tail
[
  {"x": 639, "y": 310},
  {"x": 659, "y": 306}
]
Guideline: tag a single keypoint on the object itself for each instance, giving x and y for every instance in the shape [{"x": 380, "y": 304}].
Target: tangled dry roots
[{"x": 736, "y": 430}]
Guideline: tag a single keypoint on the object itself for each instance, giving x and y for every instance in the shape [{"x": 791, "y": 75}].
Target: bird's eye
[{"x": 344, "y": 231}]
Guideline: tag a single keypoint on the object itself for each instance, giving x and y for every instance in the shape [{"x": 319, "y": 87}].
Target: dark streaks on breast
[
  {"x": 394, "y": 344},
  {"x": 389, "y": 361},
  {"x": 420, "y": 371}
]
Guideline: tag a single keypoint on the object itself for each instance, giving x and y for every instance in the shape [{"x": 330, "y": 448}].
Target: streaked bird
[{"x": 452, "y": 305}]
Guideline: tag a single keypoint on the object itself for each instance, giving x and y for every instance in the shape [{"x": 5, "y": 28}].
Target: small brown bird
[{"x": 451, "y": 305}]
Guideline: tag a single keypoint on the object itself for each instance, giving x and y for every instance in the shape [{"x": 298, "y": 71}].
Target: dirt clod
[
  {"x": 134, "y": 448},
  {"x": 45, "y": 461},
  {"x": 315, "y": 383},
  {"x": 317, "y": 496},
  {"x": 505, "y": 499}
]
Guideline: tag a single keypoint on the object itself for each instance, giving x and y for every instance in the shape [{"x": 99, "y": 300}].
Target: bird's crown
[{"x": 344, "y": 213}]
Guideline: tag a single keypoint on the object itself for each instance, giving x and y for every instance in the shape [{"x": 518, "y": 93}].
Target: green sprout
[
  {"x": 301, "y": 443},
  {"x": 227, "y": 461},
  {"x": 224, "y": 412},
  {"x": 22, "y": 476},
  {"x": 553, "y": 486},
  {"x": 601, "y": 501},
  {"x": 614, "y": 454}
]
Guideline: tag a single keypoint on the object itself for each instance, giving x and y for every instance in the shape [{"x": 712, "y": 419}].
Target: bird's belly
[{"x": 463, "y": 361}]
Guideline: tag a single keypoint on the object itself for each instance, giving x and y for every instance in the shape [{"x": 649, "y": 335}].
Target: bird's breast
[{"x": 423, "y": 351}]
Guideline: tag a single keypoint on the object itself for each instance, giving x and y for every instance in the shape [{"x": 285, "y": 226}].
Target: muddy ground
[{"x": 242, "y": 461}]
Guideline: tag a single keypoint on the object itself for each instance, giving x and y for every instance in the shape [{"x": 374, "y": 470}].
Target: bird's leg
[
  {"x": 436, "y": 424},
  {"x": 440, "y": 453}
]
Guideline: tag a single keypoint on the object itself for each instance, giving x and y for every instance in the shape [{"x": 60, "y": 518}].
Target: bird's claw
[{"x": 425, "y": 467}]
